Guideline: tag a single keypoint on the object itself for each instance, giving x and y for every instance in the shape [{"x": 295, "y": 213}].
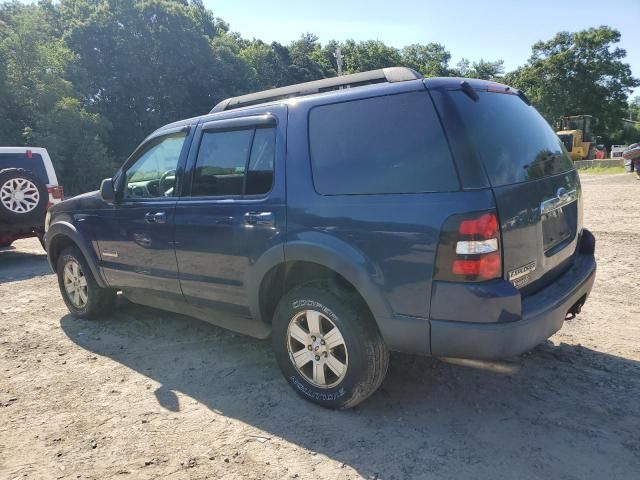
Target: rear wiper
[
  {"x": 469, "y": 91},
  {"x": 523, "y": 97}
]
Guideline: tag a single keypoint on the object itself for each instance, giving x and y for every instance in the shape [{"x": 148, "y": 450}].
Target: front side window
[
  {"x": 235, "y": 162},
  {"x": 153, "y": 174},
  {"x": 390, "y": 144}
]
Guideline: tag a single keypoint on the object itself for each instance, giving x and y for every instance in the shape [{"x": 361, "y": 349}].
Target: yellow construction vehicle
[{"x": 575, "y": 133}]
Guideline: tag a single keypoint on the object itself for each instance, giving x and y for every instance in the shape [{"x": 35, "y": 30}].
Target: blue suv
[{"x": 345, "y": 218}]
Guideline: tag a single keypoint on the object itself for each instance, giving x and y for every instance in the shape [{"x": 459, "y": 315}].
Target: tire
[
  {"x": 96, "y": 301},
  {"x": 363, "y": 353},
  {"x": 31, "y": 205}
]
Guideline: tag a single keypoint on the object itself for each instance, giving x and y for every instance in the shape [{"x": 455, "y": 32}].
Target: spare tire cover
[{"x": 23, "y": 197}]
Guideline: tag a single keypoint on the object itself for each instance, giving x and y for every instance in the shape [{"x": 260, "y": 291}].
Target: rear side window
[
  {"x": 391, "y": 144},
  {"x": 19, "y": 160},
  {"x": 235, "y": 162},
  {"x": 514, "y": 142}
]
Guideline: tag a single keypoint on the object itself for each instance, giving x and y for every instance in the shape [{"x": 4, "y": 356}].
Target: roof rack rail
[{"x": 388, "y": 75}]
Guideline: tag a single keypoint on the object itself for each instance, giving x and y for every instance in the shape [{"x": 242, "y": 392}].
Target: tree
[
  {"x": 37, "y": 99},
  {"x": 76, "y": 141},
  {"x": 579, "y": 73},
  {"x": 305, "y": 57},
  {"x": 484, "y": 70},
  {"x": 368, "y": 55},
  {"x": 634, "y": 109},
  {"x": 142, "y": 64},
  {"x": 270, "y": 63},
  {"x": 32, "y": 72},
  {"x": 431, "y": 59}
]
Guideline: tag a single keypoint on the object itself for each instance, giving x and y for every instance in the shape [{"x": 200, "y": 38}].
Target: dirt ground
[{"x": 149, "y": 395}]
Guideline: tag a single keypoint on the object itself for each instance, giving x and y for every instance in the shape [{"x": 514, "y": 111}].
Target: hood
[{"x": 85, "y": 201}]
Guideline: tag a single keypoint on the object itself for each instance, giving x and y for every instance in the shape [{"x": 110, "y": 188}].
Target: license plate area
[{"x": 558, "y": 228}]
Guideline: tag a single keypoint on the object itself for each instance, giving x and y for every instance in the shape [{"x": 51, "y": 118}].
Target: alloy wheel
[
  {"x": 75, "y": 284},
  {"x": 317, "y": 348}
]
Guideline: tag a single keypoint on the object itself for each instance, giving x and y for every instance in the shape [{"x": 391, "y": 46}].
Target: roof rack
[{"x": 384, "y": 75}]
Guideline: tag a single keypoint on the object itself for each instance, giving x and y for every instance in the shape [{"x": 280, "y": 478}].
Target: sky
[{"x": 487, "y": 29}]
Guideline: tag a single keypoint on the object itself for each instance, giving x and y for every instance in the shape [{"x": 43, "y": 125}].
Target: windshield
[{"x": 513, "y": 141}]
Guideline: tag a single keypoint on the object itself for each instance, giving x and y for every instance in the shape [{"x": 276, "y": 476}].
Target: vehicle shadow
[
  {"x": 566, "y": 410},
  {"x": 16, "y": 265}
]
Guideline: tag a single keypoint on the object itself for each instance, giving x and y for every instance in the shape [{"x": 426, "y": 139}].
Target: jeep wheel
[
  {"x": 80, "y": 291},
  {"x": 328, "y": 349}
]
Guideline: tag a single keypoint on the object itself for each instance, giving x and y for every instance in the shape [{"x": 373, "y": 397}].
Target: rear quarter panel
[{"x": 391, "y": 238}]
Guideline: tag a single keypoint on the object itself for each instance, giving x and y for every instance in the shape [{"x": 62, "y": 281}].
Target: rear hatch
[{"x": 536, "y": 188}]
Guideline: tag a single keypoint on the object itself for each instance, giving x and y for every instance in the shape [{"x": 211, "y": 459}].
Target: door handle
[
  {"x": 159, "y": 217},
  {"x": 259, "y": 218}
]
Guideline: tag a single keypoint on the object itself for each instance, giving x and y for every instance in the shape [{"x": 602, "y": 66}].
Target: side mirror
[{"x": 107, "y": 192}]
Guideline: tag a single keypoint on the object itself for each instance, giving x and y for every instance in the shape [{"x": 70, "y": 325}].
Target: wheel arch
[
  {"x": 64, "y": 234},
  {"x": 345, "y": 270}
]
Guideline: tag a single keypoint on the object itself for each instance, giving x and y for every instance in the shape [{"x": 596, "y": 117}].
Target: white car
[{"x": 28, "y": 187}]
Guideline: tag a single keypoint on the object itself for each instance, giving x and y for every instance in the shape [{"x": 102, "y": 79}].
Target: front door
[
  {"x": 234, "y": 213},
  {"x": 135, "y": 237}
]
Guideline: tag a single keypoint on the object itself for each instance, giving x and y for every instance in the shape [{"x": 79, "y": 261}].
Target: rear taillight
[
  {"x": 56, "y": 192},
  {"x": 469, "y": 248}
]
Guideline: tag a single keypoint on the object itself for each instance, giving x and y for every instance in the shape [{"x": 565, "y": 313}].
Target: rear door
[
  {"x": 234, "y": 211},
  {"x": 536, "y": 189}
]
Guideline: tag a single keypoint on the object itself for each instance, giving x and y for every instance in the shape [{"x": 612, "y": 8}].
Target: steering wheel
[{"x": 164, "y": 184}]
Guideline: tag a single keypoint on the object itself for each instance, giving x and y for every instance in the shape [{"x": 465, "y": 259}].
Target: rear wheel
[
  {"x": 80, "y": 291},
  {"x": 329, "y": 349}
]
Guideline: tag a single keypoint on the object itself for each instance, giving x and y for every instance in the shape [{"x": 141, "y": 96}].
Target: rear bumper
[
  {"x": 11, "y": 232},
  {"x": 542, "y": 315}
]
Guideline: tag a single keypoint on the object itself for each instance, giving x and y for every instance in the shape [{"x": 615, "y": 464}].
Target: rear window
[
  {"x": 391, "y": 144},
  {"x": 19, "y": 160},
  {"x": 511, "y": 138}
]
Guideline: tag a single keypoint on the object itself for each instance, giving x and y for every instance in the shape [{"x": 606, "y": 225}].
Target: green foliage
[
  {"x": 484, "y": 70},
  {"x": 579, "y": 73},
  {"x": 269, "y": 63},
  {"x": 89, "y": 79},
  {"x": 634, "y": 109},
  {"x": 431, "y": 59},
  {"x": 305, "y": 60},
  {"x": 368, "y": 55},
  {"x": 33, "y": 66},
  {"x": 76, "y": 141},
  {"x": 132, "y": 67}
]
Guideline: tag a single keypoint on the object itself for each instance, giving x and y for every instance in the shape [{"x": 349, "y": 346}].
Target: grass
[{"x": 602, "y": 170}]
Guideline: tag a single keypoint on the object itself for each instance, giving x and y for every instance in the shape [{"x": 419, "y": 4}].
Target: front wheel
[
  {"x": 328, "y": 348},
  {"x": 80, "y": 291}
]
